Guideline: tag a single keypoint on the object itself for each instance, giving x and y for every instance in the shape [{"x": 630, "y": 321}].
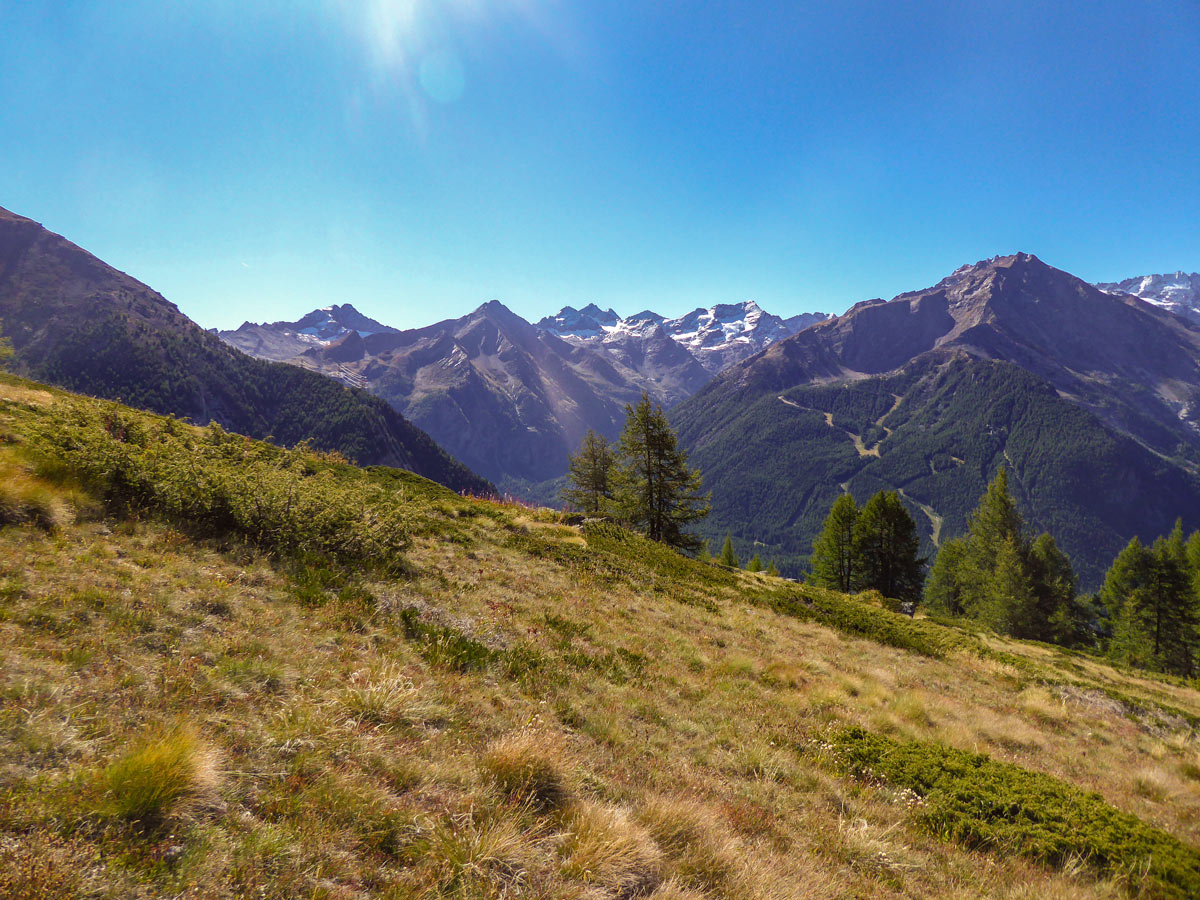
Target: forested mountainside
[
  {"x": 77, "y": 322},
  {"x": 233, "y": 670},
  {"x": 1088, "y": 398}
]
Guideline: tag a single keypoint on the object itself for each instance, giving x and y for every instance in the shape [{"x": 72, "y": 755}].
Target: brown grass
[
  {"x": 629, "y": 735},
  {"x": 530, "y": 765}
]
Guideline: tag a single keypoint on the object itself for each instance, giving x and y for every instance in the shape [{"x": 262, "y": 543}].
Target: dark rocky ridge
[{"x": 78, "y": 323}]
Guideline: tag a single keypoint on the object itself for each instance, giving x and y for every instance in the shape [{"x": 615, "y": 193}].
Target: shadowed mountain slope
[
  {"x": 509, "y": 399},
  {"x": 77, "y": 322}
]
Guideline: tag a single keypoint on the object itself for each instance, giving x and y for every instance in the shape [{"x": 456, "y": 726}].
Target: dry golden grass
[
  {"x": 605, "y": 849},
  {"x": 27, "y": 499},
  {"x": 530, "y": 765},
  {"x": 616, "y": 732},
  {"x": 164, "y": 775},
  {"x": 349, "y": 754}
]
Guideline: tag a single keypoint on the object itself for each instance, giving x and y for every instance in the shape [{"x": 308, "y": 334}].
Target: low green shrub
[
  {"x": 445, "y": 646},
  {"x": 286, "y": 502},
  {"x": 866, "y": 620},
  {"x": 974, "y": 800}
]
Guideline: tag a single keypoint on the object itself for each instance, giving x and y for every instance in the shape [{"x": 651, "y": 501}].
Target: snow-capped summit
[
  {"x": 717, "y": 337},
  {"x": 330, "y": 323},
  {"x": 1178, "y": 292},
  {"x": 591, "y": 321},
  {"x": 287, "y": 340},
  {"x": 727, "y": 332}
]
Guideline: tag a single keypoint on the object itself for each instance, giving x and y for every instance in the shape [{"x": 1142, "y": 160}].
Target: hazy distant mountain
[
  {"x": 286, "y": 340},
  {"x": 510, "y": 399},
  {"x": 79, "y": 323},
  {"x": 1179, "y": 293},
  {"x": 717, "y": 337},
  {"x": 1091, "y": 399}
]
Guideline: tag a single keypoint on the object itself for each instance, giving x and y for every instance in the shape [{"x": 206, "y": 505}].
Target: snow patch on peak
[
  {"x": 1176, "y": 292},
  {"x": 717, "y": 336}
]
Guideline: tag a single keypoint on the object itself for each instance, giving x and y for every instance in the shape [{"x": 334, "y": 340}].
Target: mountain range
[
  {"x": 78, "y": 323},
  {"x": 1089, "y": 398},
  {"x": 1088, "y": 394},
  {"x": 718, "y": 336},
  {"x": 510, "y": 398}
]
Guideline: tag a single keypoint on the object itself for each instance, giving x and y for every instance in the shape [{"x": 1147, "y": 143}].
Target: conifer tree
[
  {"x": 755, "y": 564},
  {"x": 835, "y": 556},
  {"x": 727, "y": 557},
  {"x": 772, "y": 570},
  {"x": 944, "y": 593},
  {"x": 1150, "y": 595},
  {"x": 1124, "y": 596},
  {"x": 590, "y": 474},
  {"x": 995, "y": 575},
  {"x": 1174, "y": 604},
  {"x": 653, "y": 488},
  {"x": 1055, "y": 614},
  {"x": 1004, "y": 607},
  {"x": 993, "y": 522},
  {"x": 887, "y": 545},
  {"x": 6, "y": 349}
]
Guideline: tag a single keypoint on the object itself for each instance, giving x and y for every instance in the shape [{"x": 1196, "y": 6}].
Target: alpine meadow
[{"x": 462, "y": 451}]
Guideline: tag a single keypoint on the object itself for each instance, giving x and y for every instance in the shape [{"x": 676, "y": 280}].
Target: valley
[{"x": 527, "y": 450}]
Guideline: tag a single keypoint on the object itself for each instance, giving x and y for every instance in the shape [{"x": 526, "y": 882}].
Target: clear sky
[{"x": 254, "y": 159}]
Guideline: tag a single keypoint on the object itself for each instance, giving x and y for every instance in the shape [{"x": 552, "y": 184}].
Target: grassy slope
[{"x": 530, "y": 711}]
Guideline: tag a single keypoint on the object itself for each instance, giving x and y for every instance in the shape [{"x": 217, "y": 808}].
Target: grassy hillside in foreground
[{"x": 207, "y": 693}]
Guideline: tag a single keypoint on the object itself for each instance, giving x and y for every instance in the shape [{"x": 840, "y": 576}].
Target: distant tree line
[
  {"x": 997, "y": 574},
  {"x": 1147, "y": 614}
]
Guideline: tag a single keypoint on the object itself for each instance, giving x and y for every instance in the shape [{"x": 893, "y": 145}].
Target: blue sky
[{"x": 420, "y": 157}]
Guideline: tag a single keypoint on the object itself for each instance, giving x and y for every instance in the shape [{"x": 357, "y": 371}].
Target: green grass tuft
[{"x": 158, "y": 778}]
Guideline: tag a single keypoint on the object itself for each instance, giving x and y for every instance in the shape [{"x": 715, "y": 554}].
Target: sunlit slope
[{"x": 205, "y": 693}]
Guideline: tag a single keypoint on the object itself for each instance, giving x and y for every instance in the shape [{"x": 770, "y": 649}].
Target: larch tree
[
  {"x": 654, "y": 490},
  {"x": 835, "y": 557},
  {"x": 590, "y": 475},
  {"x": 888, "y": 547},
  {"x": 996, "y": 575},
  {"x": 6, "y": 349},
  {"x": 728, "y": 557}
]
